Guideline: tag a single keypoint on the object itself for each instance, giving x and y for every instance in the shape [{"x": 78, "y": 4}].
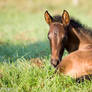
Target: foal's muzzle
[{"x": 54, "y": 62}]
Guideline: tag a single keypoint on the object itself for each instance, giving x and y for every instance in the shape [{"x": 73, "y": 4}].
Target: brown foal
[{"x": 67, "y": 33}]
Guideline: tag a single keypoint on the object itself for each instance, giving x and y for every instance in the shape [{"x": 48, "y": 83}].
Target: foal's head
[{"x": 57, "y": 35}]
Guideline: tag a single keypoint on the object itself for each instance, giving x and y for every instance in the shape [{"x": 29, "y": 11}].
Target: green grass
[{"x": 23, "y": 43}]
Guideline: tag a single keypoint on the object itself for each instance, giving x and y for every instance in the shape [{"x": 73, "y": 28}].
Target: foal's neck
[
  {"x": 72, "y": 42},
  {"x": 84, "y": 36},
  {"x": 78, "y": 38}
]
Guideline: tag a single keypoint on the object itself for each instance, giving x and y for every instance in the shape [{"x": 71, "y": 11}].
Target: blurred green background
[{"x": 23, "y": 27}]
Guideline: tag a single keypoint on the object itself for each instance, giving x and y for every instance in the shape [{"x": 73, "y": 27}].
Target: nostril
[
  {"x": 54, "y": 62},
  {"x": 58, "y": 62}
]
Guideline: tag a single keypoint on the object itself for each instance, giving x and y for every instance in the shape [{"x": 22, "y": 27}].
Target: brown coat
[{"x": 77, "y": 63}]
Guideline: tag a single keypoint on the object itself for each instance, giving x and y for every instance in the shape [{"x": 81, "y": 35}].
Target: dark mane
[
  {"x": 76, "y": 24},
  {"x": 57, "y": 18},
  {"x": 81, "y": 28},
  {"x": 73, "y": 22}
]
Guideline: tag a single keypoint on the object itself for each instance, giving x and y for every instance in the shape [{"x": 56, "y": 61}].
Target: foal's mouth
[
  {"x": 55, "y": 62},
  {"x": 56, "y": 58}
]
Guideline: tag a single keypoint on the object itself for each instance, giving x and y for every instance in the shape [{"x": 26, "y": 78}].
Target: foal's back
[{"x": 78, "y": 63}]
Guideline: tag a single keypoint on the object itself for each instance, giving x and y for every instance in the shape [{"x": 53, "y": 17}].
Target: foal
[{"x": 66, "y": 33}]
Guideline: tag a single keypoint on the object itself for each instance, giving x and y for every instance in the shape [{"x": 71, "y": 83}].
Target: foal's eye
[
  {"x": 55, "y": 33},
  {"x": 48, "y": 35}
]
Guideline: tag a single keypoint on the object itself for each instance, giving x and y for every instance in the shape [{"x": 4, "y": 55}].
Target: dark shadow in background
[{"x": 10, "y": 52}]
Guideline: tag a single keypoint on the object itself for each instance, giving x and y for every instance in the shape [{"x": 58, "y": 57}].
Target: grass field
[{"x": 24, "y": 48}]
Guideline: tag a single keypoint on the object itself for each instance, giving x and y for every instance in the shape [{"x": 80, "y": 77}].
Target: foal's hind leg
[{"x": 83, "y": 78}]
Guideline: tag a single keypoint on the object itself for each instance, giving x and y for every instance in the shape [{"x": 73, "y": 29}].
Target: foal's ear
[
  {"x": 65, "y": 18},
  {"x": 48, "y": 17}
]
